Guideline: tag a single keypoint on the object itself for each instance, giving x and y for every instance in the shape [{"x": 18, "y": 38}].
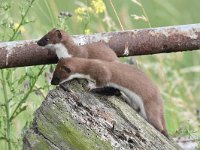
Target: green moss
[
  {"x": 67, "y": 134},
  {"x": 38, "y": 142},
  {"x": 79, "y": 140},
  {"x": 42, "y": 145}
]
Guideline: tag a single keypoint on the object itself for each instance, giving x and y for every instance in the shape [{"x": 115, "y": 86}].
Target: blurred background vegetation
[{"x": 23, "y": 89}]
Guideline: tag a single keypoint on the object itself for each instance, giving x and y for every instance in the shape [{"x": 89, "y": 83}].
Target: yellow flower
[
  {"x": 79, "y": 18},
  {"x": 87, "y": 31},
  {"x": 21, "y": 29},
  {"x": 80, "y": 10},
  {"x": 98, "y": 6}
]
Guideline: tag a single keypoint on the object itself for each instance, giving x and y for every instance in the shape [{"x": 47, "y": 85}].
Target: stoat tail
[
  {"x": 164, "y": 131},
  {"x": 155, "y": 116}
]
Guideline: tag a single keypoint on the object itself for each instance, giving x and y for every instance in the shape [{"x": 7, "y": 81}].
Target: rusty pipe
[{"x": 124, "y": 43}]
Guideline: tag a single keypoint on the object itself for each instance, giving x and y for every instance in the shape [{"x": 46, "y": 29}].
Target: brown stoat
[
  {"x": 62, "y": 43},
  {"x": 142, "y": 93}
]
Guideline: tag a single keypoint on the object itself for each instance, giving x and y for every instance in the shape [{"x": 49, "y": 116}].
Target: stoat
[
  {"x": 142, "y": 92},
  {"x": 64, "y": 46}
]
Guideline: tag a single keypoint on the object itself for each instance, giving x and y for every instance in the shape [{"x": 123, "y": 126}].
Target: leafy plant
[{"x": 15, "y": 90}]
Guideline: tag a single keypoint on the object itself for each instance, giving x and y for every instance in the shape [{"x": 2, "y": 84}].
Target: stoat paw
[{"x": 90, "y": 86}]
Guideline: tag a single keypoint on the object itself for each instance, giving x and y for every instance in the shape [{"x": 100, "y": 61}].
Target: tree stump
[{"x": 80, "y": 120}]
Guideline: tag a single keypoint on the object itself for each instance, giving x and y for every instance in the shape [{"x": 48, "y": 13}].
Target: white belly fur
[
  {"x": 77, "y": 75},
  {"x": 61, "y": 50},
  {"x": 132, "y": 99}
]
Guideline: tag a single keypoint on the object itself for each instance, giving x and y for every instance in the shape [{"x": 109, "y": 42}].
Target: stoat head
[
  {"x": 62, "y": 72},
  {"x": 51, "y": 38}
]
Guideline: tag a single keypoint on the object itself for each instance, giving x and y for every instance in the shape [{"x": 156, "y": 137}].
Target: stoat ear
[
  {"x": 58, "y": 33},
  {"x": 66, "y": 69}
]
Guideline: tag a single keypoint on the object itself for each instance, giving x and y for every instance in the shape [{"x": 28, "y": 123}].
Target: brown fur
[
  {"x": 121, "y": 74},
  {"x": 96, "y": 50}
]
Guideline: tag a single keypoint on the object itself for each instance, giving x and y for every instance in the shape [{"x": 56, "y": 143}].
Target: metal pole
[{"x": 126, "y": 43}]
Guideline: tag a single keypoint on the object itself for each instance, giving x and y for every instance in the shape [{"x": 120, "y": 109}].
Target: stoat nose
[
  {"x": 55, "y": 81},
  {"x": 41, "y": 43}
]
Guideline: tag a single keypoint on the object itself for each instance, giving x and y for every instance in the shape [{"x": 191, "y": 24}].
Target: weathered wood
[
  {"x": 126, "y": 43},
  {"x": 78, "y": 119}
]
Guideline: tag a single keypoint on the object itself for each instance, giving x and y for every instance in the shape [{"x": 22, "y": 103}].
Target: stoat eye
[
  {"x": 46, "y": 39},
  {"x": 66, "y": 69}
]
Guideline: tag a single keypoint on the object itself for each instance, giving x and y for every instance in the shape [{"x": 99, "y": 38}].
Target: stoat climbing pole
[{"x": 126, "y": 43}]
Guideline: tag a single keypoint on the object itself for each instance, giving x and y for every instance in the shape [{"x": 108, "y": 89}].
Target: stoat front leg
[
  {"x": 107, "y": 90},
  {"x": 103, "y": 90}
]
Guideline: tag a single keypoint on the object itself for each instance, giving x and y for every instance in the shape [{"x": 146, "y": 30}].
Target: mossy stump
[{"x": 76, "y": 119}]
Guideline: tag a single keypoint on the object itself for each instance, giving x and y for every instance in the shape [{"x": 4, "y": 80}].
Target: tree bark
[
  {"x": 126, "y": 43},
  {"x": 80, "y": 120}
]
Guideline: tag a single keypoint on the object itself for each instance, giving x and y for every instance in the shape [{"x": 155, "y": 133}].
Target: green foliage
[{"x": 23, "y": 89}]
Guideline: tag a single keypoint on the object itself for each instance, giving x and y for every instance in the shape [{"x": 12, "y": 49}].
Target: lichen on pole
[{"x": 125, "y": 43}]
